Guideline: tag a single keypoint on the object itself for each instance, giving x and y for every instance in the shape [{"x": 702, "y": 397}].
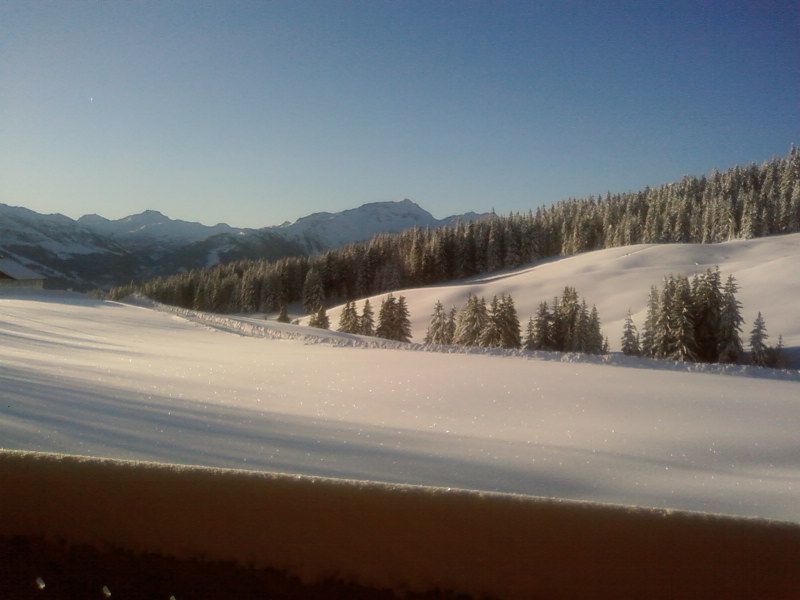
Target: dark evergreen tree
[
  {"x": 729, "y": 339},
  {"x": 283, "y": 315},
  {"x": 530, "y": 335},
  {"x": 319, "y": 319},
  {"x": 471, "y": 321},
  {"x": 313, "y": 291},
  {"x": 630, "y": 337},
  {"x": 492, "y": 335},
  {"x": 437, "y": 329},
  {"x": 387, "y": 318},
  {"x": 348, "y": 319},
  {"x": 651, "y": 323},
  {"x": 366, "y": 322},
  {"x": 450, "y": 327},
  {"x": 509, "y": 323},
  {"x": 758, "y": 346}
]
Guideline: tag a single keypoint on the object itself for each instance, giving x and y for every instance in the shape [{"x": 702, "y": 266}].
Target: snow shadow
[{"x": 62, "y": 415}]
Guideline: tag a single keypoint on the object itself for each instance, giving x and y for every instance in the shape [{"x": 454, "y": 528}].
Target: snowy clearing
[{"x": 109, "y": 379}]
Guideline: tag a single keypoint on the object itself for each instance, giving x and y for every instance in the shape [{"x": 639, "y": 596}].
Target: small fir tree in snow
[
  {"x": 492, "y": 336},
  {"x": 313, "y": 290},
  {"x": 542, "y": 336},
  {"x": 403, "y": 321},
  {"x": 283, "y": 315},
  {"x": 320, "y": 319},
  {"x": 630, "y": 337},
  {"x": 366, "y": 323},
  {"x": 530, "y": 335},
  {"x": 450, "y": 326},
  {"x": 386, "y": 318},
  {"x": 730, "y": 341},
  {"x": 437, "y": 329},
  {"x": 509, "y": 323},
  {"x": 470, "y": 322},
  {"x": 758, "y": 337},
  {"x": 348, "y": 319},
  {"x": 650, "y": 324}
]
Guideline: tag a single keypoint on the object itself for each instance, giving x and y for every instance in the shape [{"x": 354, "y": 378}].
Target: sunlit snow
[{"x": 108, "y": 379}]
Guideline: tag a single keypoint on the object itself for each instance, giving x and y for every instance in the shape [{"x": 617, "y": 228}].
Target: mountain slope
[
  {"x": 97, "y": 252},
  {"x": 329, "y": 230}
]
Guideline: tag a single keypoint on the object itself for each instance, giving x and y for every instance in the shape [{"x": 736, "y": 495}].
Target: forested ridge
[{"x": 742, "y": 202}]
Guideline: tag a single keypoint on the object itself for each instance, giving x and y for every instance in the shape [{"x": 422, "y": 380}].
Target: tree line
[{"x": 742, "y": 202}]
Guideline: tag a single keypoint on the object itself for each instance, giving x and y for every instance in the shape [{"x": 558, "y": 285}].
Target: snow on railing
[{"x": 252, "y": 327}]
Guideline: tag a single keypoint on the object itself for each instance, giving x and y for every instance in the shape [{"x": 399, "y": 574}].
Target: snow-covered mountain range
[{"x": 93, "y": 251}]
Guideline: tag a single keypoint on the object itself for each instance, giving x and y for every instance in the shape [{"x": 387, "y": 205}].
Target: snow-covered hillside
[
  {"x": 620, "y": 278},
  {"x": 108, "y": 379}
]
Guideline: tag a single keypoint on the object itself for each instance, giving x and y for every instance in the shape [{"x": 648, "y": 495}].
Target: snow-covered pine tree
[
  {"x": 492, "y": 335},
  {"x": 681, "y": 325},
  {"x": 320, "y": 319},
  {"x": 706, "y": 302},
  {"x": 581, "y": 341},
  {"x": 283, "y": 314},
  {"x": 313, "y": 291},
  {"x": 730, "y": 341},
  {"x": 403, "y": 322},
  {"x": 664, "y": 339},
  {"x": 509, "y": 323},
  {"x": 630, "y": 337},
  {"x": 758, "y": 338},
  {"x": 450, "y": 327},
  {"x": 530, "y": 335},
  {"x": 348, "y": 320},
  {"x": 595, "y": 340},
  {"x": 651, "y": 323},
  {"x": 470, "y": 321},
  {"x": 366, "y": 323},
  {"x": 387, "y": 315},
  {"x": 543, "y": 335},
  {"x": 437, "y": 333}
]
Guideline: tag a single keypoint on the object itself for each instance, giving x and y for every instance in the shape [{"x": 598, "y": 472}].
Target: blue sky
[{"x": 253, "y": 113}]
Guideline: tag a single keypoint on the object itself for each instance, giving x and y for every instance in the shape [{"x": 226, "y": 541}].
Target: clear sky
[{"x": 252, "y": 113}]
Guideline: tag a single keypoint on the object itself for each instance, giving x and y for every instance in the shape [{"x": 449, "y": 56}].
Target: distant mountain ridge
[{"x": 93, "y": 251}]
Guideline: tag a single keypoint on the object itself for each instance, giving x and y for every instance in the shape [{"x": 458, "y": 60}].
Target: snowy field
[
  {"x": 620, "y": 278},
  {"x": 115, "y": 380}
]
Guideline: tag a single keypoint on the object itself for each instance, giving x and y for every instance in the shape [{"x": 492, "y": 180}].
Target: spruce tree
[
  {"x": 313, "y": 290},
  {"x": 651, "y": 324},
  {"x": 403, "y": 322},
  {"x": 348, "y": 319},
  {"x": 492, "y": 335},
  {"x": 450, "y": 327},
  {"x": 542, "y": 337},
  {"x": 470, "y": 321},
  {"x": 758, "y": 337},
  {"x": 630, "y": 337},
  {"x": 319, "y": 319},
  {"x": 437, "y": 333},
  {"x": 509, "y": 323},
  {"x": 730, "y": 342},
  {"x": 387, "y": 318},
  {"x": 530, "y": 335},
  {"x": 681, "y": 325},
  {"x": 283, "y": 315},
  {"x": 366, "y": 323}
]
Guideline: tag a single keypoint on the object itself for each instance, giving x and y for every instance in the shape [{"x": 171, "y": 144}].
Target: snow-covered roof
[{"x": 16, "y": 271}]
